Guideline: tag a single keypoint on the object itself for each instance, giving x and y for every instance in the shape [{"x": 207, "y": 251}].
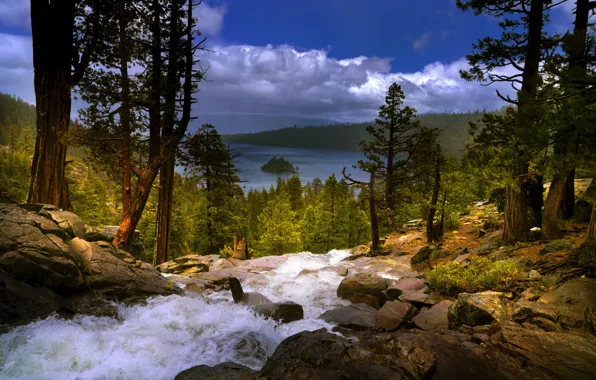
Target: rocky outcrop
[
  {"x": 188, "y": 265},
  {"x": 392, "y": 315},
  {"x": 435, "y": 318},
  {"x": 477, "y": 309},
  {"x": 43, "y": 250},
  {"x": 283, "y": 312},
  {"x": 357, "y": 316},
  {"x": 363, "y": 288},
  {"x": 574, "y": 303},
  {"x": 223, "y": 371},
  {"x": 322, "y": 356}
]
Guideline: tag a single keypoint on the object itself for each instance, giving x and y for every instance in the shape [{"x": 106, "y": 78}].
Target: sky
[{"x": 329, "y": 59}]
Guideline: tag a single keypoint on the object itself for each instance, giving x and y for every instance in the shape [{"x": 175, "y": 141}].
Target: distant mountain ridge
[
  {"x": 453, "y": 138},
  {"x": 250, "y": 123}
]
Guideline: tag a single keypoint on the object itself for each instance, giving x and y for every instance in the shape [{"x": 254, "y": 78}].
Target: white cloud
[
  {"x": 210, "y": 19},
  {"x": 279, "y": 80},
  {"x": 15, "y": 13},
  {"x": 421, "y": 42}
]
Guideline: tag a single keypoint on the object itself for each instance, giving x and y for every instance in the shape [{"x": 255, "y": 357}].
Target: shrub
[
  {"x": 452, "y": 222},
  {"x": 226, "y": 252},
  {"x": 481, "y": 274}
]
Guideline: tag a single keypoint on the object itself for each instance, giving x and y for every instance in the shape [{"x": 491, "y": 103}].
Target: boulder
[
  {"x": 409, "y": 349},
  {"x": 477, "y": 309},
  {"x": 418, "y": 298},
  {"x": 320, "y": 355},
  {"x": 107, "y": 233},
  {"x": 362, "y": 288},
  {"x": 66, "y": 220},
  {"x": 574, "y": 302},
  {"x": 221, "y": 264},
  {"x": 435, "y": 318},
  {"x": 533, "y": 275},
  {"x": 392, "y": 315},
  {"x": 356, "y": 317},
  {"x": 405, "y": 284},
  {"x": 223, "y": 371},
  {"x": 462, "y": 259},
  {"x": 536, "y": 313},
  {"x": 188, "y": 264},
  {"x": 582, "y": 211},
  {"x": 422, "y": 255}
]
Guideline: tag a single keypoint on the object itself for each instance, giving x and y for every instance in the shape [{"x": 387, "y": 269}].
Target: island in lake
[{"x": 279, "y": 165}]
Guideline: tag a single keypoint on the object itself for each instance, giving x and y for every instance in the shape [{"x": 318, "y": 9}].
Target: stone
[
  {"x": 410, "y": 350},
  {"x": 357, "y": 316},
  {"x": 435, "y": 318},
  {"x": 461, "y": 259},
  {"x": 284, "y": 312},
  {"x": 362, "y": 288},
  {"x": 418, "y": 298},
  {"x": 533, "y": 275},
  {"x": 573, "y": 301},
  {"x": 184, "y": 264},
  {"x": 321, "y": 355},
  {"x": 477, "y": 309},
  {"x": 422, "y": 255},
  {"x": 480, "y": 338},
  {"x": 392, "y": 315},
  {"x": 527, "y": 310},
  {"x": 359, "y": 250},
  {"x": 531, "y": 294},
  {"x": 582, "y": 211},
  {"x": 373, "y": 301},
  {"x": 407, "y": 283},
  {"x": 68, "y": 221},
  {"x": 107, "y": 233},
  {"x": 223, "y": 371}
]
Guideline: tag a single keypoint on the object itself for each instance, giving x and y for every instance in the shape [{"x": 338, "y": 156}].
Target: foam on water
[{"x": 170, "y": 334}]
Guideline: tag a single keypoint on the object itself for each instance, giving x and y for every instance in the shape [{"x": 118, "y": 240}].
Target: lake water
[{"x": 311, "y": 163}]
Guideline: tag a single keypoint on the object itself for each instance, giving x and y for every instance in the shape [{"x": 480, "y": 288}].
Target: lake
[{"x": 311, "y": 163}]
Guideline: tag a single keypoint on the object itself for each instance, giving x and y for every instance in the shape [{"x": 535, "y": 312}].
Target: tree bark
[
  {"x": 52, "y": 25},
  {"x": 516, "y": 221},
  {"x": 430, "y": 235},
  {"x": 125, "y": 112},
  {"x": 566, "y": 147},
  {"x": 166, "y": 172},
  {"x": 374, "y": 221},
  {"x": 568, "y": 204}
]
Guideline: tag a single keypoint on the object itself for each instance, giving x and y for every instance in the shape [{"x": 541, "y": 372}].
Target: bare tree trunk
[
  {"x": 430, "y": 235},
  {"x": 52, "y": 24},
  {"x": 550, "y": 219},
  {"x": 125, "y": 112},
  {"x": 568, "y": 204},
  {"x": 374, "y": 221},
  {"x": 516, "y": 218}
]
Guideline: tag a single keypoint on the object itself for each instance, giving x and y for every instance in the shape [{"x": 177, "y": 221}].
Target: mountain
[
  {"x": 453, "y": 126},
  {"x": 249, "y": 123}
]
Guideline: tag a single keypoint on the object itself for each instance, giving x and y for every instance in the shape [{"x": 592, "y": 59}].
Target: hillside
[
  {"x": 15, "y": 113},
  {"x": 347, "y": 137}
]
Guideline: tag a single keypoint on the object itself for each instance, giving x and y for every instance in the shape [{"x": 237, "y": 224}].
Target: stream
[{"x": 169, "y": 334}]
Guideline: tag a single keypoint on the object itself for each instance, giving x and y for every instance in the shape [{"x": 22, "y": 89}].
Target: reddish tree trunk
[
  {"x": 52, "y": 24},
  {"x": 516, "y": 218},
  {"x": 430, "y": 235},
  {"x": 374, "y": 221}
]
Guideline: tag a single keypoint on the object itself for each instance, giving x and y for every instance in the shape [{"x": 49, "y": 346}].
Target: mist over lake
[{"x": 311, "y": 163}]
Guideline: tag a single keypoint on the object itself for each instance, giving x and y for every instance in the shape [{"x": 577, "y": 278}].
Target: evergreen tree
[{"x": 279, "y": 231}]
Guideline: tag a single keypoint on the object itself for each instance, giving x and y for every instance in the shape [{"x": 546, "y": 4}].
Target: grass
[{"x": 481, "y": 274}]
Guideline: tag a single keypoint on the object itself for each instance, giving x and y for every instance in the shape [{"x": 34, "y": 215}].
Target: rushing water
[{"x": 170, "y": 334}]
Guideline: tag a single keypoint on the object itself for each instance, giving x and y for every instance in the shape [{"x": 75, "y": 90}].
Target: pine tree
[{"x": 279, "y": 231}]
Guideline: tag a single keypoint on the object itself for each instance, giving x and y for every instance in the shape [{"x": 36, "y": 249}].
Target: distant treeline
[{"x": 453, "y": 138}]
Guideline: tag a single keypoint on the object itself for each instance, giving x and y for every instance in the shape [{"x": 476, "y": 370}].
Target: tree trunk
[
  {"x": 374, "y": 221},
  {"x": 567, "y": 140},
  {"x": 166, "y": 172},
  {"x": 430, "y": 235},
  {"x": 516, "y": 218},
  {"x": 125, "y": 112},
  {"x": 389, "y": 185},
  {"x": 52, "y": 24},
  {"x": 568, "y": 203},
  {"x": 591, "y": 238}
]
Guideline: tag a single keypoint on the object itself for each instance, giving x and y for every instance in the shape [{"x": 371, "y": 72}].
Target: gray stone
[
  {"x": 435, "y": 318},
  {"x": 477, "y": 309},
  {"x": 357, "y": 316},
  {"x": 223, "y": 371},
  {"x": 392, "y": 315}
]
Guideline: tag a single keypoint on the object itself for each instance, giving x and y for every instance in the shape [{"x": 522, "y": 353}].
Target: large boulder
[
  {"x": 363, "y": 288},
  {"x": 324, "y": 356},
  {"x": 574, "y": 303},
  {"x": 223, "y": 371},
  {"x": 392, "y": 315},
  {"x": 408, "y": 349},
  {"x": 435, "y": 318},
  {"x": 356, "y": 316},
  {"x": 477, "y": 309},
  {"x": 107, "y": 233},
  {"x": 188, "y": 265}
]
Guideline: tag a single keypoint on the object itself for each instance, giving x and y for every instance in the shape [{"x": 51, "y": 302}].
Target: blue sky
[{"x": 329, "y": 59}]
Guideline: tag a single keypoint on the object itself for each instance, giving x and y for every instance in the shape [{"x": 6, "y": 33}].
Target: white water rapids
[{"x": 170, "y": 334}]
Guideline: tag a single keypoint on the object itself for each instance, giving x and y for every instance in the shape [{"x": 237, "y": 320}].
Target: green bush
[
  {"x": 481, "y": 274},
  {"x": 226, "y": 252},
  {"x": 452, "y": 222}
]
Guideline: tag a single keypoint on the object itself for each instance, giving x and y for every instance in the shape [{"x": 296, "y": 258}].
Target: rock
[
  {"x": 422, "y": 255},
  {"x": 531, "y": 294},
  {"x": 285, "y": 312},
  {"x": 582, "y": 211},
  {"x": 392, "y": 315},
  {"x": 405, "y": 284},
  {"x": 324, "y": 356},
  {"x": 359, "y": 250},
  {"x": 461, "y": 259},
  {"x": 185, "y": 264},
  {"x": 363, "y": 287},
  {"x": 107, "y": 233},
  {"x": 410, "y": 350},
  {"x": 357, "y": 316},
  {"x": 477, "y": 309},
  {"x": 524, "y": 311},
  {"x": 435, "y": 318},
  {"x": 533, "y": 275},
  {"x": 418, "y": 298},
  {"x": 556, "y": 246},
  {"x": 68, "y": 221},
  {"x": 557, "y": 355},
  {"x": 372, "y": 301},
  {"x": 221, "y": 264},
  {"x": 573, "y": 302},
  {"x": 223, "y": 371},
  {"x": 480, "y": 338}
]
